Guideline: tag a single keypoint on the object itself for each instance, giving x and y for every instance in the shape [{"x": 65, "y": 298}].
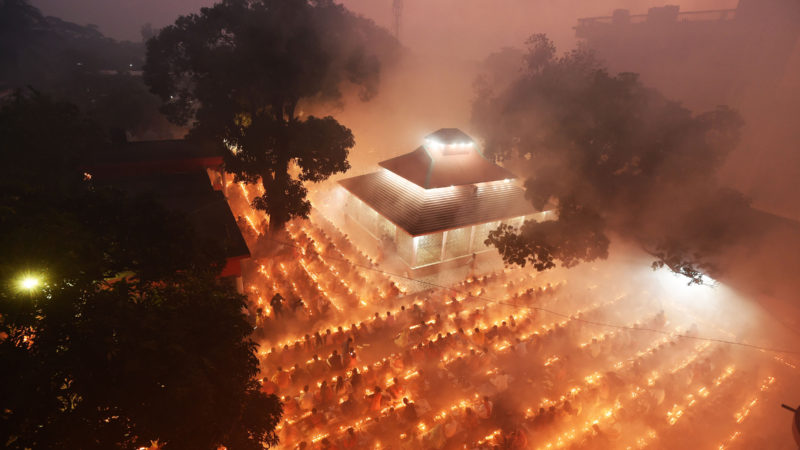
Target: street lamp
[{"x": 29, "y": 282}]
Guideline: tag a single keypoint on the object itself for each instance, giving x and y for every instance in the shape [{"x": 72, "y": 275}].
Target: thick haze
[
  {"x": 447, "y": 38},
  {"x": 433, "y": 87},
  {"x": 471, "y": 28}
]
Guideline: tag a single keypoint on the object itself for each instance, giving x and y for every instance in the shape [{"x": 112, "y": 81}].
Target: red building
[{"x": 183, "y": 177}]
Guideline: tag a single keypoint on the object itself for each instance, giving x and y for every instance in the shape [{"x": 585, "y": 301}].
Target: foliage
[
  {"x": 239, "y": 71},
  {"x": 78, "y": 64},
  {"x": 131, "y": 336},
  {"x": 611, "y": 156}
]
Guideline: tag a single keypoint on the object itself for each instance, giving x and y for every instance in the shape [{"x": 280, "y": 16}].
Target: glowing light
[{"x": 29, "y": 282}]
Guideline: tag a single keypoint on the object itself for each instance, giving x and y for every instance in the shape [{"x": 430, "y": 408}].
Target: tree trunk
[{"x": 275, "y": 188}]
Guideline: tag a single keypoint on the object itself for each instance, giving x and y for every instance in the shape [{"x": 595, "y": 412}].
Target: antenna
[{"x": 397, "y": 15}]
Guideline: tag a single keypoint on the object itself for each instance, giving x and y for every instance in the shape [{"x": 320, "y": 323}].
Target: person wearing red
[
  {"x": 396, "y": 390},
  {"x": 350, "y": 440},
  {"x": 374, "y": 400},
  {"x": 282, "y": 379}
]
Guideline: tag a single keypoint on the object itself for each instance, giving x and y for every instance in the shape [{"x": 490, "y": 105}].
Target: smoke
[{"x": 446, "y": 46}]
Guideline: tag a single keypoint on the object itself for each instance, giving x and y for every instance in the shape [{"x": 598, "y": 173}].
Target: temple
[{"x": 437, "y": 204}]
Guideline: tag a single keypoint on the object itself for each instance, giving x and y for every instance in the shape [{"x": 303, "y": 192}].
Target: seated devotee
[
  {"x": 485, "y": 408},
  {"x": 396, "y": 363},
  {"x": 348, "y": 345},
  {"x": 375, "y": 400},
  {"x": 326, "y": 395},
  {"x": 316, "y": 367},
  {"x": 306, "y": 399},
  {"x": 299, "y": 375},
  {"x": 317, "y": 419},
  {"x": 517, "y": 439},
  {"x": 350, "y": 440},
  {"x": 297, "y": 350},
  {"x": 289, "y": 434},
  {"x": 478, "y": 339},
  {"x": 335, "y": 361},
  {"x": 396, "y": 390},
  {"x": 492, "y": 334},
  {"x": 377, "y": 322},
  {"x": 352, "y": 360},
  {"x": 356, "y": 380},
  {"x": 268, "y": 387},
  {"x": 348, "y": 407},
  {"x": 273, "y": 358},
  {"x": 277, "y": 304},
  {"x": 354, "y": 332},
  {"x": 339, "y": 337},
  {"x": 326, "y": 444},
  {"x": 282, "y": 379},
  {"x": 409, "y": 413},
  {"x": 451, "y": 427},
  {"x": 318, "y": 341},
  {"x": 471, "y": 420},
  {"x": 286, "y": 356},
  {"x": 340, "y": 387}
]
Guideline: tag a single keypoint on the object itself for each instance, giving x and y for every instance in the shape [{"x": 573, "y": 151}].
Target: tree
[
  {"x": 130, "y": 336},
  {"x": 612, "y": 157},
  {"x": 78, "y": 64},
  {"x": 240, "y": 72}
]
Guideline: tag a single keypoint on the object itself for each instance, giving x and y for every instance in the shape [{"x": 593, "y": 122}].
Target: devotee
[
  {"x": 355, "y": 379},
  {"x": 277, "y": 305},
  {"x": 299, "y": 375},
  {"x": 374, "y": 400},
  {"x": 347, "y": 347},
  {"x": 335, "y": 361},
  {"x": 485, "y": 408},
  {"x": 409, "y": 411},
  {"x": 396, "y": 390},
  {"x": 306, "y": 399},
  {"x": 282, "y": 379},
  {"x": 352, "y": 360},
  {"x": 350, "y": 440}
]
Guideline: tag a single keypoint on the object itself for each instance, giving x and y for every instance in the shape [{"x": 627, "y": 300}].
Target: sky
[{"x": 428, "y": 24}]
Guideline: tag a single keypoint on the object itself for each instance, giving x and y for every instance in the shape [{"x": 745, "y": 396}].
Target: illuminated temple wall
[{"x": 427, "y": 249}]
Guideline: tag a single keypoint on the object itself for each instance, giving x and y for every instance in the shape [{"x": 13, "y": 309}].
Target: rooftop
[
  {"x": 421, "y": 211},
  {"x": 449, "y": 157}
]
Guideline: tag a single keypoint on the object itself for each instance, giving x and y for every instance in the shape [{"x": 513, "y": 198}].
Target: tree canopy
[
  {"x": 611, "y": 156},
  {"x": 78, "y": 64},
  {"x": 129, "y": 336},
  {"x": 239, "y": 72}
]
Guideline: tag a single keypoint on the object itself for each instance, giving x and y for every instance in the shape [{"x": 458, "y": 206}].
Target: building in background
[
  {"x": 436, "y": 205},
  {"x": 703, "y": 58}
]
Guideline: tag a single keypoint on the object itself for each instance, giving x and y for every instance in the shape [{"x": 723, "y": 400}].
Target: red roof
[{"x": 448, "y": 158}]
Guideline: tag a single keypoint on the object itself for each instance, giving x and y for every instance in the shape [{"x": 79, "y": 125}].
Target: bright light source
[
  {"x": 29, "y": 282},
  {"x": 507, "y": 180}
]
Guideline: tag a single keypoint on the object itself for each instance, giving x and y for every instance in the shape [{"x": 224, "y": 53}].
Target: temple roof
[
  {"x": 449, "y": 157},
  {"x": 421, "y": 211}
]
